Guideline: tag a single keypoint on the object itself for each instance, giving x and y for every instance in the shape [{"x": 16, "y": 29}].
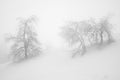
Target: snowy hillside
[{"x": 56, "y": 64}]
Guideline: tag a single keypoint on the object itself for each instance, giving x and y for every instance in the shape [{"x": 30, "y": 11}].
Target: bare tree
[
  {"x": 72, "y": 34},
  {"x": 91, "y": 31},
  {"x": 98, "y": 31},
  {"x": 25, "y": 44},
  {"x": 105, "y": 28},
  {"x": 87, "y": 31}
]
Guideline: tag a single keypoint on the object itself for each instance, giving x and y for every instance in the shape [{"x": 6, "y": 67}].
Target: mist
[{"x": 51, "y": 16}]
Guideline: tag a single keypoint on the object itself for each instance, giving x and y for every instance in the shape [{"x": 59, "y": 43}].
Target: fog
[
  {"x": 51, "y": 15},
  {"x": 54, "y": 14}
]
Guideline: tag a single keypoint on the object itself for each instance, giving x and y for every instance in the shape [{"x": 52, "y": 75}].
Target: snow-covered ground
[{"x": 57, "y": 64}]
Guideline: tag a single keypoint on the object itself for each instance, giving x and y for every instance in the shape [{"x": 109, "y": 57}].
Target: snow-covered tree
[
  {"x": 105, "y": 30},
  {"x": 25, "y": 44},
  {"x": 87, "y": 33},
  {"x": 72, "y": 34},
  {"x": 97, "y": 33}
]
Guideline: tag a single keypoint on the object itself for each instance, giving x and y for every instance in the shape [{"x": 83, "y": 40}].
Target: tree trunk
[
  {"x": 101, "y": 37},
  {"x": 110, "y": 38},
  {"x": 25, "y": 46},
  {"x": 25, "y": 41},
  {"x": 82, "y": 47}
]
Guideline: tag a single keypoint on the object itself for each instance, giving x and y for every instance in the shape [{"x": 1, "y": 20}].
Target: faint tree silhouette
[
  {"x": 72, "y": 34},
  {"x": 25, "y": 44},
  {"x": 87, "y": 31},
  {"x": 105, "y": 28}
]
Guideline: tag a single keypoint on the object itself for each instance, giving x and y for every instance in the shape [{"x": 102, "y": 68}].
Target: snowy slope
[{"x": 56, "y": 64}]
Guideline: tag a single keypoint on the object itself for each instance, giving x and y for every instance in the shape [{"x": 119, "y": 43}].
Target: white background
[{"x": 53, "y": 14}]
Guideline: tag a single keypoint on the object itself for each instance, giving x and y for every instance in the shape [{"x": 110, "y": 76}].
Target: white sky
[{"x": 53, "y": 14}]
